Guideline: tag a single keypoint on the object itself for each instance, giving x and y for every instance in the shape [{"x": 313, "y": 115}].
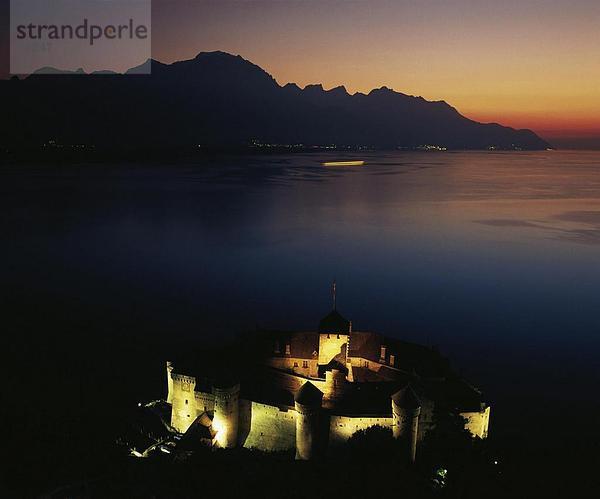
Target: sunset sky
[{"x": 524, "y": 63}]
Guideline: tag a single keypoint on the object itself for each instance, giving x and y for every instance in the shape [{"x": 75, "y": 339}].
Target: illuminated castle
[{"x": 313, "y": 390}]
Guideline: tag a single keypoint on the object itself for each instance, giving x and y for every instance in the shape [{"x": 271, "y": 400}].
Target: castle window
[
  {"x": 295, "y": 364},
  {"x": 305, "y": 364},
  {"x": 338, "y": 336},
  {"x": 287, "y": 349},
  {"x": 186, "y": 402}
]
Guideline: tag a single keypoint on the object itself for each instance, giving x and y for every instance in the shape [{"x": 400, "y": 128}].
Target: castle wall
[
  {"x": 477, "y": 422},
  {"x": 169, "y": 382},
  {"x": 269, "y": 428},
  {"x": 205, "y": 402},
  {"x": 331, "y": 345},
  {"x": 341, "y": 428}
]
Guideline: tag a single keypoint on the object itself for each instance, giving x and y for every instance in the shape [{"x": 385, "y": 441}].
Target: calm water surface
[{"x": 494, "y": 257}]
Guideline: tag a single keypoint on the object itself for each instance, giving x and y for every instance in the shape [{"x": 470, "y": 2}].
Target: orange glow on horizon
[{"x": 521, "y": 63}]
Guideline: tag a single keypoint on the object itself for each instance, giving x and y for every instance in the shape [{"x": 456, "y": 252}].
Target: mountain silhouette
[{"x": 218, "y": 99}]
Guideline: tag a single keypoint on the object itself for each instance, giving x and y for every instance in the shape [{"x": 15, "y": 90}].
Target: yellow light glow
[{"x": 343, "y": 163}]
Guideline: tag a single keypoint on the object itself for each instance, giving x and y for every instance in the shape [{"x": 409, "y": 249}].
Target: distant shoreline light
[{"x": 343, "y": 163}]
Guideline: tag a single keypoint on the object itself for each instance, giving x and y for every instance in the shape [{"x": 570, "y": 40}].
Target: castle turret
[
  {"x": 335, "y": 383},
  {"x": 308, "y": 402},
  {"x": 169, "y": 382},
  {"x": 226, "y": 416},
  {"x": 406, "y": 409}
]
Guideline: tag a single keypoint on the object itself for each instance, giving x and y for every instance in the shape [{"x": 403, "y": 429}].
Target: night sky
[{"x": 524, "y": 63}]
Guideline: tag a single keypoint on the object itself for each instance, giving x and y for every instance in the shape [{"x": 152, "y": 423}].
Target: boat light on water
[{"x": 343, "y": 163}]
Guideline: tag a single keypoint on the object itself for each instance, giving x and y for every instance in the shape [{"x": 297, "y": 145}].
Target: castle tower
[
  {"x": 308, "y": 402},
  {"x": 226, "y": 416},
  {"x": 406, "y": 409},
  {"x": 335, "y": 383},
  {"x": 169, "y": 382},
  {"x": 333, "y": 338}
]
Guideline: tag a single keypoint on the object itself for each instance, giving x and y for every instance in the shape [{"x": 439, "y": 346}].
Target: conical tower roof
[
  {"x": 406, "y": 398},
  {"x": 309, "y": 394},
  {"x": 334, "y": 322}
]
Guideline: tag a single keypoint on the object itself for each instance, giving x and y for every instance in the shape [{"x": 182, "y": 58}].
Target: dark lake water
[{"x": 493, "y": 257}]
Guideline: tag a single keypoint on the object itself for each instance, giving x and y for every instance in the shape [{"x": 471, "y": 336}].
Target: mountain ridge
[{"x": 220, "y": 99}]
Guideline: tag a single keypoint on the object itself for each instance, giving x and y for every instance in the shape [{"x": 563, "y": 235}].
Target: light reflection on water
[{"x": 493, "y": 256}]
